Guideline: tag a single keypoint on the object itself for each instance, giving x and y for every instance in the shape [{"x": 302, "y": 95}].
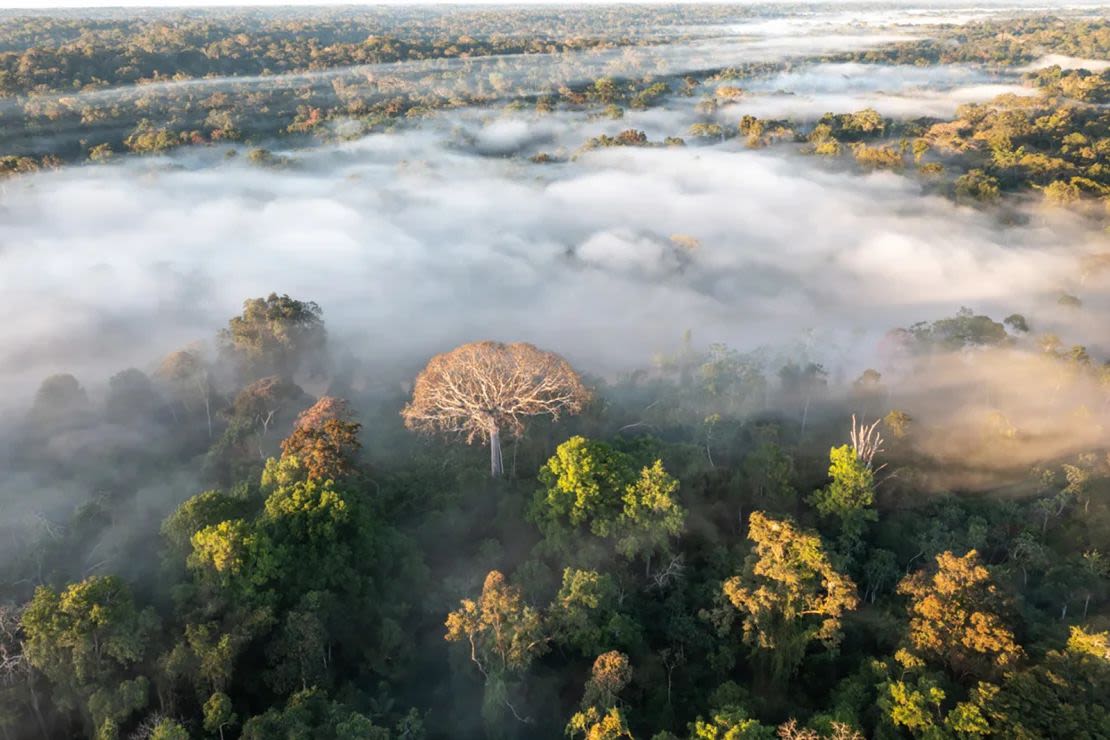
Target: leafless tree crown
[
  {"x": 483, "y": 388},
  {"x": 867, "y": 441}
]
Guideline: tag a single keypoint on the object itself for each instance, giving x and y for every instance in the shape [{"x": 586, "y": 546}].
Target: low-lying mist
[{"x": 411, "y": 243}]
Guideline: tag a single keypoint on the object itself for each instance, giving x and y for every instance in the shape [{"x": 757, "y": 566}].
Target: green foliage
[
  {"x": 87, "y": 640},
  {"x": 1065, "y": 695},
  {"x": 789, "y": 594},
  {"x": 585, "y": 614},
  {"x": 769, "y": 472},
  {"x": 168, "y": 729},
  {"x": 584, "y": 481},
  {"x": 850, "y": 495},
  {"x": 731, "y": 723},
  {"x": 275, "y": 335},
  {"x": 592, "y": 486},
  {"x": 218, "y": 713},
  {"x": 964, "y": 330},
  {"x": 310, "y": 714},
  {"x": 651, "y": 517},
  {"x": 196, "y": 513},
  {"x": 593, "y": 724}
]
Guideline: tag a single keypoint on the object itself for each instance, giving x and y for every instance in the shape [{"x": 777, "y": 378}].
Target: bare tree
[
  {"x": 14, "y": 665},
  {"x": 484, "y": 389},
  {"x": 866, "y": 440},
  {"x": 12, "y": 660}
]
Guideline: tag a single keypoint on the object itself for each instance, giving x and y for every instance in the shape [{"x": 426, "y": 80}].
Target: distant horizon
[{"x": 39, "y": 5}]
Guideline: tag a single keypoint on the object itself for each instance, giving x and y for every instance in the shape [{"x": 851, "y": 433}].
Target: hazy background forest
[{"x": 696, "y": 371}]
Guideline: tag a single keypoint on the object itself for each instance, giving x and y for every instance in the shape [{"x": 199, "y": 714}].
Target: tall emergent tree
[
  {"x": 276, "y": 335},
  {"x": 482, "y": 389}
]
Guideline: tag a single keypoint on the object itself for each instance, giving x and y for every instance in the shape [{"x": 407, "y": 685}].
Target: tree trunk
[
  {"x": 496, "y": 466},
  {"x": 38, "y": 710}
]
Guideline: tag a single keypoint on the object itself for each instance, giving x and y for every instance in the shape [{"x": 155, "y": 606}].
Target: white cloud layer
[{"x": 411, "y": 244}]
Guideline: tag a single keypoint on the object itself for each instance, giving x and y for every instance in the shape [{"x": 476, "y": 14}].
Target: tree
[
  {"x": 585, "y": 480},
  {"x": 790, "y": 594},
  {"x": 955, "y": 617},
  {"x": 17, "y": 676},
  {"x": 276, "y": 335},
  {"x": 592, "y": 724},
  {"x": 59, "y": 403},
  {"x": 898, "y": 422},
  {"x": 790, "y": 730},
  {"x": 730, "y": 723},
  {"x": 916, "y": 700},
  {"x": 651, "y": 517},
  {"x": 850, "y": 494},
  {"x": 880, "y": 572},
  {"x": 310, "y": 714},
  {"x": 482, "y": 389},
  {"x": 965, "y": 330},
  {"x": 803, "y": 382},
  {"x": 130, "y": 397},
  {"x": 504, "y": 636},
  {"x": 585, "y": 614},
  {"x": 600, "y": 718},
  {"x": 592, "y": 485},
  {"x": 259, "y": 406},
  {"x": 300, "y": 652},
  {"x": 1095, "y": 571},
  {"x": 769, "y": 471},
  {"x": 194, "y": 514},
  {"x": 233, "y": 558},
  {"x": 168, "y": 729},
  {"x": 729, "y": 382},
  {"x": 324, "y": 440},
  {"x": 1063, "y": 696},
  {"x": 852, "y": 491},
  {"x": 1017, "y": 322},
  {"x": 322, "y": 537},
  {"x": 611, "y": 673},
  {"x": 977, "y": 185},
  {"x": 86, "y": 640},
  {"x": 218, "y": 713},
  {"x": 186, "y": 374}
]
